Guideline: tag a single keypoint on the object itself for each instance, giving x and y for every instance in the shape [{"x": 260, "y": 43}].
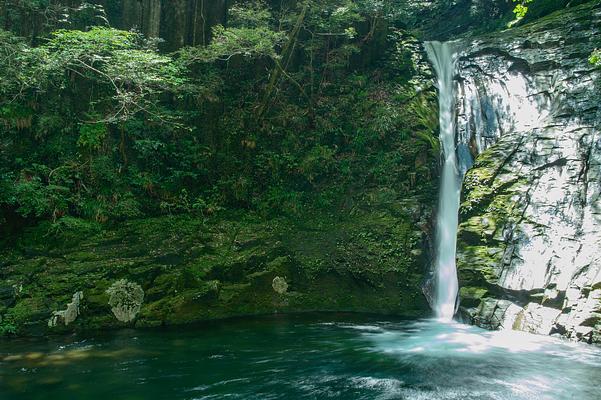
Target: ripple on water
[{"x": 303, "y": 358}]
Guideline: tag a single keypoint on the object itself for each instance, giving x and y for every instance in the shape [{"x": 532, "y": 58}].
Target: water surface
[{"x": 302, "y": 357}]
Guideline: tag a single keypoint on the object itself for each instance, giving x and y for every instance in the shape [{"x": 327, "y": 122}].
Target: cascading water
[{"x": 456, "y": 160}]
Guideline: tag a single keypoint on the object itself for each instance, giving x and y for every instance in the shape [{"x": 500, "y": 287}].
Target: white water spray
[{"x": 443, "y": 57}]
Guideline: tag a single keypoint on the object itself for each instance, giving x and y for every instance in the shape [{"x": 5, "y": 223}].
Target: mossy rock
[{"x": 193, "y": 270}]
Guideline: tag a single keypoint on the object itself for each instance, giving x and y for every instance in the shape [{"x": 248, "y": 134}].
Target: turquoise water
[{"x": 302, "y": 357}]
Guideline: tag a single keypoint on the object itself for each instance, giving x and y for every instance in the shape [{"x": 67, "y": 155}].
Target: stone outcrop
[
  {"x": 194, "y": 270},
  {"x": 69, "y": 314},
  {"x": 529, "y": 245}
]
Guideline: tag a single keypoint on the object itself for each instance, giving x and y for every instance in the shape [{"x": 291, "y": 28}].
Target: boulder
[
  {"x": 279, "y": 285},
  {"x": 535, "y": 318},
  {"x": 125, "y": 299},
  {"x": 69, "y": 314}
]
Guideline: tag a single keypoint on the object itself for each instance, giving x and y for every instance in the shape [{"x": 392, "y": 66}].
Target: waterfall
[{"x": 456, "y": 160}]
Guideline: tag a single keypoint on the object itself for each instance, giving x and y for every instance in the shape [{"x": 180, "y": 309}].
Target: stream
[{"x": 320, "y": 356}]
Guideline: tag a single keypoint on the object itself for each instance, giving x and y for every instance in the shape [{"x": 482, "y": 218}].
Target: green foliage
[
  {"x": 422, "y": 108},
  {"x": 98, "y": 41},
  {"x": 520, "y": 11},
  {"x": 249, "y": 34},
  {"x": 31, "y": 17},
  {"x": 16, "y": 316},
  {"x": 91, "y": 136},
  {"x": 7, "y": 327},
  {"x": 521, "y": 8},
  {"x": 32, "y": 198},
  {"x": 19, "y": 64},
  {"x": 67, "y": 224},
  {"x": 129, "y": 70},
  {"x": 318, "y": 161},
  {"x": 595, "y": 58},
  {"x": 254, "y": 14},
  {"x": 250, "y": 43},
  {"x": 278, "y": 113}
]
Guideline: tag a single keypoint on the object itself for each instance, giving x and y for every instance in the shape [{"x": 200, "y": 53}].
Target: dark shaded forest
[{"x": 287, "y": 108}]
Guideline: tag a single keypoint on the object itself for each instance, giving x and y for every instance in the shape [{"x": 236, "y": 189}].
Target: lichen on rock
[
  {"x": 126, "y": 299},
  {"x": 68, "y": 315},
  {"x": 279, "y": 285}
]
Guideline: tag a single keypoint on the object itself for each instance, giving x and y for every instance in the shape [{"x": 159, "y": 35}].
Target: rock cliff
[{"x": 529, "y": 243}]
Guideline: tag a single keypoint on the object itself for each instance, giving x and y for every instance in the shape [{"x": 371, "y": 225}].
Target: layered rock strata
[{"x": 529, "y": 245}]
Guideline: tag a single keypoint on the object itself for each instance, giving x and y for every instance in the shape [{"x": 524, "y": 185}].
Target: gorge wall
[
  {"x": 528, "y": 245},
  {"x": 530, "y": 220}
]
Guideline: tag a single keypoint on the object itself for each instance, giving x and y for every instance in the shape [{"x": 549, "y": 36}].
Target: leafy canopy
[{"x": 276, "y": 114}]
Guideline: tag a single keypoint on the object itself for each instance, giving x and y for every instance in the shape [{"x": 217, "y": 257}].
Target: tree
[
  {"x": 71, "y": 97},
  {"x": 129, "y": 70},
  {"x": 36, "y": 18},
  {"x": 277, "y": 112}
]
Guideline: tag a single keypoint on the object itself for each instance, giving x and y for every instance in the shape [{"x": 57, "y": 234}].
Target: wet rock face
[
  {"x": 529, "y": 245},
  {"x": 444, "y": 20}
]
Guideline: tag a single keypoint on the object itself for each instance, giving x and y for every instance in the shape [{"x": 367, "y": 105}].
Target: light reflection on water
[{"x": 303, "y": 357}]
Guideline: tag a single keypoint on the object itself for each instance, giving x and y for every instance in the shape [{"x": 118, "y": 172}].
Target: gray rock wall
[{"x": 529, "y": 246}]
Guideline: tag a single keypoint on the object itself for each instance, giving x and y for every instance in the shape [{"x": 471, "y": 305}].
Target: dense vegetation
[
  {"x": 284, "y": 110},
  {"x": 297, "y": 142}
]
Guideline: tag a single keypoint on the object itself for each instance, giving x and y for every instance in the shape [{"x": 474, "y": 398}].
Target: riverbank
[{"x": 178, "y": 270}]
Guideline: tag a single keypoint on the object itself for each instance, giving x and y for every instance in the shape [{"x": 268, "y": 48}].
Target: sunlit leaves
[
  {"x": 131, "y": 73},
  {"x": 521, "y": 9},
  {"x": 20, "y": 69},
  {"x": 595, "y": 58},
  {"x": 254, "y": 14},
  {"x": 91, "y": 136},
  {"x": 96, "y": 41},
  {"x": 230, "y": 42}
]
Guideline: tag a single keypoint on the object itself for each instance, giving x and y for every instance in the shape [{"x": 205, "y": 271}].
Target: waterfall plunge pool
[{"x": 324, "y": 356}]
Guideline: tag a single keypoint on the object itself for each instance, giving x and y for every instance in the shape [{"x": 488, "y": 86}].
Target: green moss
[
  {"x": 29, "y": 311},
  {"x": 472, "y": 296},
  {"x": 344, "y": 248},
  {"x": 491, "y": 213},
  {"x": 192, "y": 270}
]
